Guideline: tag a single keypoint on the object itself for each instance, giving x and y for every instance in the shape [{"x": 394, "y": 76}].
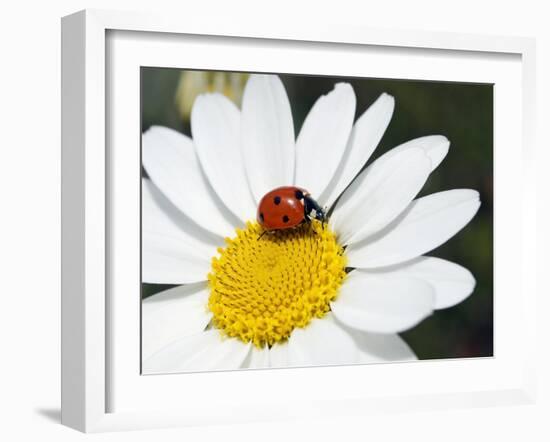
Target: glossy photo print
[{"x": 299, "y": 221}]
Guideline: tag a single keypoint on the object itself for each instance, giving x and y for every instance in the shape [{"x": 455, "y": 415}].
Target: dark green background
[{"x": 463, "y": 112}]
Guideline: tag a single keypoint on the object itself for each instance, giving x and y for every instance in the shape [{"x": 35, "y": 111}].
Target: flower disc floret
[{"x": 263, "y": 288}]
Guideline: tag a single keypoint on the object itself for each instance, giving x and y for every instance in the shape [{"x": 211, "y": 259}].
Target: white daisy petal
[
  {"x": 322, "y": 342},
  {"x": 426, "y": 224},
  {"x": 379, "y": 194},
  {"x": 174, "y": 249},
  {"x": 160, "y": 216},
  {"x": 199, "y": 352},
  {"x": 173, "y": 314},
  {"x": 169, "y": 261},
  {"x": 257, "y": 358},
  {"x": 172, "y": 164},
  {"x": 323, "y": 138},
  {"x": 379, "y": 347},
  {"x": 268, "y": 135},
  {"x": 435, "y": 146},
  {"x": 383, "y": 305},
  {"x": 452, "y": 283},
  {"x": 365, "y": 136},
  {"x": 216, "y": 128},
  {"x": 278, "y": 355}
]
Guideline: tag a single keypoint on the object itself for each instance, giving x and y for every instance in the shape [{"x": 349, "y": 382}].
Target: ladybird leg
[
  {"x": 309, "y": 210},
  {"x": 312, "y": 230},
  {"x": 307, "y": 222},
  {"x": 308, "y": 207},
  {"x": 324, "y": 220},
  {"x": 262, "y": 234}
]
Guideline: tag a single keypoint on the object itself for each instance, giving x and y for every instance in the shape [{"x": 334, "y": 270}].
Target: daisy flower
[{"x": 316, "y": 295}]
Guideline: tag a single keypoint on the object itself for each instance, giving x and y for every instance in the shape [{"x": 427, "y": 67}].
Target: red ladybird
[{"x": 287, "y": 207}]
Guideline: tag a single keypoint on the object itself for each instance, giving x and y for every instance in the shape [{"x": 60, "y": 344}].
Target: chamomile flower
[{"x": 318, "y": 294}]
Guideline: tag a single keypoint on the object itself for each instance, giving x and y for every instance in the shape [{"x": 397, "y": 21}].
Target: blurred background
[{"x": 463, "y": 112}]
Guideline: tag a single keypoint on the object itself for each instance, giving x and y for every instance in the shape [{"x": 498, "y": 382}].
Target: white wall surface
[{"x": 30, "y": 220}]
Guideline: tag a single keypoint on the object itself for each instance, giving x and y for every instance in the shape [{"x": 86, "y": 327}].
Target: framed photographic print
[
  {"x": 310, "y": 272},
  {"x": 291, "y": 219}
]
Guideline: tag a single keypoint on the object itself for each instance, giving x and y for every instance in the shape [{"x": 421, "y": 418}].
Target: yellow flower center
[{"x": 263, "y": 288}]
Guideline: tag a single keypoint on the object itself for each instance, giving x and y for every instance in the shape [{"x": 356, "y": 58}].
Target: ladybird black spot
[
  {"x": 277, "y": 200},
  {"x": 285, "y": 219},
  {"x": 261, "y": 217},
  {"x": 299, "y": 195}
]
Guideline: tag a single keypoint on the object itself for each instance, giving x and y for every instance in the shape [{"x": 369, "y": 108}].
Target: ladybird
[{"x": 288, "y": 207}]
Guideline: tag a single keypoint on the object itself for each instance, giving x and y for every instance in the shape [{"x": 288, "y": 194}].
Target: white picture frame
[{"x": 87, "y": 316}]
